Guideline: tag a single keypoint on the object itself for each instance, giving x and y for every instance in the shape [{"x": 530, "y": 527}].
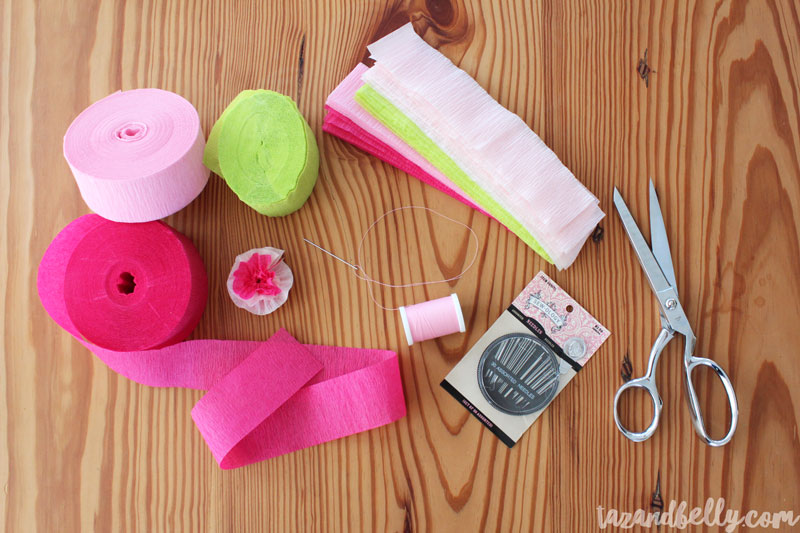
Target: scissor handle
[
  {"x": 650, "y": 386},
  {"x": 691, "y": 362},
  {"x": 648, "y": 383}
]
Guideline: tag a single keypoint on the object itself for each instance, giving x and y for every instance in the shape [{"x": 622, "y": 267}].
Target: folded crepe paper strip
[
  {"x": 486, "y": 150},
  {"x": 340, "y": 126},
  {"x": 263, "y": 148},
  {"x": 408, "y": 131},
  {"x": 260, "y": 280},
  {"x": 352, "y": 123},
  {"x": 137, "y": 155},
  {"x": 134, "y": 299}
]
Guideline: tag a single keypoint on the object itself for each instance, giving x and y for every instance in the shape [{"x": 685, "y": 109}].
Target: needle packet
[{"x": 525, "y": 359}]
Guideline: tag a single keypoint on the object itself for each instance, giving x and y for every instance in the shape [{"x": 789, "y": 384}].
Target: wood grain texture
[{"x": 718, "y": 129}]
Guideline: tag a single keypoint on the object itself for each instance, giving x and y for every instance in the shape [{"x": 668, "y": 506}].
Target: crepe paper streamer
[
  {"x": 410, "y": 133},
  {"x": 432, "y": 319},
  {"x": 493, "y": 126},
  {"x": 137, "y": 155},
  {"x": 343, "y": 128},
  {"x": 130, "y": 287},
  {"x": 465, "y": 107},
  {"x": 264, "y": 398},
  {"x": 424, "y": 321},
  {"x": 352, "y": 123},
  {"x": 260, "y": 280},
  {"x": 355, "y": 390},
  {"x": 263, "y": 148},
  {"x": 491, "y": 145}
]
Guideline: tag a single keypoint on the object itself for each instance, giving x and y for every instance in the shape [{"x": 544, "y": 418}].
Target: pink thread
[
  {"x": 361, "y": 272},
  {"x": 427, "y": 320},
  {"x": 432, "y": 319}
]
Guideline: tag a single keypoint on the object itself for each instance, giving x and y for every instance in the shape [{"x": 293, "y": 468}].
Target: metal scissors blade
[
  {"x": 658, "y": 238},
  {"x": 650, "y": 265}
]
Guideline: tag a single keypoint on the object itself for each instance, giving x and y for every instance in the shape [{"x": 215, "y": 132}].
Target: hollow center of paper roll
[
  {"x": 126, "y": 283},
  {"x": 133, "y": 131}
]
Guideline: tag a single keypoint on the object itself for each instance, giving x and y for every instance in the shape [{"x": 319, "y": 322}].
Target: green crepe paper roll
[
  {"x": 263, "y": 148},
  {"x": 408, "y": 131},
  {"x": 211, "y": 154}
]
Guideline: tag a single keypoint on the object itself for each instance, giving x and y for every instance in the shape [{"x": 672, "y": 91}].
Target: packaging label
[{"x": 525, "y": 359}]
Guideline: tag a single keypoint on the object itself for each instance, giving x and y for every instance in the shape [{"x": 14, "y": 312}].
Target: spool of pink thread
[{"x": 432, "y": 319}]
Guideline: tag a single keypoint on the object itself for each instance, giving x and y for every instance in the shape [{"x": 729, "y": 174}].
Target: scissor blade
[
  {"x": 646, "y": 258},
  {"x": 658, "y": 238}
]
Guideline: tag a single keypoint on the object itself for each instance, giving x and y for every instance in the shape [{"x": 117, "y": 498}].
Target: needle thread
[
  {"x": 318, "y": 247},
  {"x": 362, "y": 274}
]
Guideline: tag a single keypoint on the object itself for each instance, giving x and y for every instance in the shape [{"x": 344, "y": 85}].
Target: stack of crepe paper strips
[{"x": 417, "y": 111}]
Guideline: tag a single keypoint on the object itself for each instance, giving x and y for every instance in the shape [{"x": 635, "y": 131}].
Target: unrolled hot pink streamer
[{"x": 264, "y": 398}]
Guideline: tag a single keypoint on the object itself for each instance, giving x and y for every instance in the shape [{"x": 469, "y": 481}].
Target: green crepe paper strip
[
  {"x": 263, "y": 148},
  {"x": 408, "y": 131}
]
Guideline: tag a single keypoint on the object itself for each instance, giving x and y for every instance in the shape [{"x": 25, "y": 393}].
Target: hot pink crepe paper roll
[
  {"x": 137, "y": 155},
  {"x": 265, "y": 398},
  {"x": 147, "y": 280}
]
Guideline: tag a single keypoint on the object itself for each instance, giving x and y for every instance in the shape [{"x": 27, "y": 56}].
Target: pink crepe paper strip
[
  {"x": 264, "y": 398},
  {"x": 260, "y": 280},
  {"x": 137, "y": 155},
  {"x": 353, "y": 124},
  {"x": 340, "y": 126}
]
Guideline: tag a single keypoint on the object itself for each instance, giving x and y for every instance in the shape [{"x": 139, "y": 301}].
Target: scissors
[{"x": 657, "y": 266}]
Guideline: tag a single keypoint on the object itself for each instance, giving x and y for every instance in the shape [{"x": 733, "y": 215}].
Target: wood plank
[{"x": 717, "y": 128}]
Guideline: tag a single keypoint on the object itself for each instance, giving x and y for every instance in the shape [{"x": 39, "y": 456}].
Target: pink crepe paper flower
[
  {"x": 260, "y": 281},
  {"x": 254, "y": 276}
]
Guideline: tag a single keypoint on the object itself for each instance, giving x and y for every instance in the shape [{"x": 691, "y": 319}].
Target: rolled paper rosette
[
  {"x": 137, "y": 155},
  {"x": 264, "y": 150},
  {"x": 259, "y": 281}
]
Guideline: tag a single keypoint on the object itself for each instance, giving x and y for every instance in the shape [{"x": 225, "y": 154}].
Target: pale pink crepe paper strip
[
  {"x": 479, "y": 134},
  {"x": 563, "y": 252}
]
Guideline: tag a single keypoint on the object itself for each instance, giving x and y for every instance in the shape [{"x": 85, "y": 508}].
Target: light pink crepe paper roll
[{"x": 137, "y": 155}]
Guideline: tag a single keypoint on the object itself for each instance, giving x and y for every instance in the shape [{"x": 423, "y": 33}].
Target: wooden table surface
[{"x": 717, "y": 128}]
